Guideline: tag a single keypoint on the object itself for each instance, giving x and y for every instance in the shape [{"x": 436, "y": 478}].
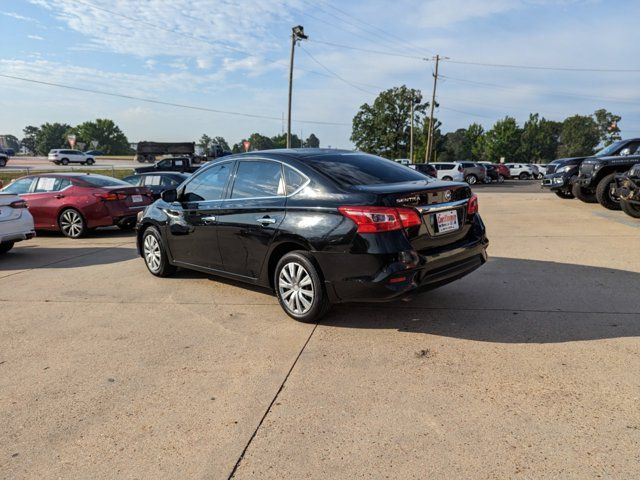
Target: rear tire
[
  {"x": 155, "y": 254},
  {"x": 564, "y": 194},
  {"x": 127, "y": 225},
  {"x": 605, "y": 196},
  {"x": 633, "y": 210},
  {"x": 90, "y": 161},
  {"x": 64, "y": 161},
  {"x": 3, "y": 163},
  {"x": 72, "y": 224},
  {"x": 523, "y": 176},
  {"x": 471, "y": 179},
  {"x": 500, "y": 178},
  {"x": 583, "y": 194},
  {"x": 447, "y": 179},
  {"x": 299, "y": 288},
  {"x": 5, "y": 247}
]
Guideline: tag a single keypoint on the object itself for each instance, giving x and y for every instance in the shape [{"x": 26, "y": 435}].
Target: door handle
[
  {"x": 208, "y": 220},
  {"x": 59, "y": 196},
  {"x": 264, "y": 221}
]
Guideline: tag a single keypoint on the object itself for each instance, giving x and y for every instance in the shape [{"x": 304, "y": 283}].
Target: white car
[
  {"x": 65, "y": 157},
  {"x": 542, "y": 170},
  {"x": 521, "y": 171},
  {"x": 16, "y": 223},
  {"x": 453, "y": 171}
]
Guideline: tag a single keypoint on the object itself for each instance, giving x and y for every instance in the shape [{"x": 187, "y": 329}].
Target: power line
[
  {"x": 544, "y": 67},
  {"x": 379, "y": 52},
  {"x": 334, "y": 73},
  {"x": 161, "y": 102},
  {"x": 555, "y": 94},
  {"x": 464, "y": 113}
]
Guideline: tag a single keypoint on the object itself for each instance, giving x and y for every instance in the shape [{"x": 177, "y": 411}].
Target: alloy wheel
[
  {"x": 296, "y": 288},
  {"x": 152, "y": 254},
  {"x": 71, "y": 224}
]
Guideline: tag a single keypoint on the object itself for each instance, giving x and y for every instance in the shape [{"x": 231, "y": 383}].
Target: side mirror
[{"x": 170, "y": 195}]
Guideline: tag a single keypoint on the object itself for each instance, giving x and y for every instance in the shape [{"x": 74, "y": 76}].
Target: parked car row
[
  {"x": 480, "y": 172},
  {"x": 609, "y": 178},
  {"x": 317, "y": 226}
]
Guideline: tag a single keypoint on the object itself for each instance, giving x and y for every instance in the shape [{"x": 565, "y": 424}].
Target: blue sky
[{"x": 233, "y": 56}]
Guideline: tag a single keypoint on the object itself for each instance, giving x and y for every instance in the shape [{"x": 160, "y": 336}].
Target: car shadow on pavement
[
  {"x": 513, "y": 301},
  {"x": 32, "y": 257}
]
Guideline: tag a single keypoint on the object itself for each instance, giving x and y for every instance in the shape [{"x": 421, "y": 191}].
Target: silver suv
[
  {"x": 474, "y": 172},
  {"x": 65, "y": 157}
]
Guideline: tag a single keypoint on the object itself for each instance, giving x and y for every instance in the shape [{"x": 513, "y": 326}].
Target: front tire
[
  {"x": 605, "y": 194},
  {"x": 64, "y": 161},
  {"x": 583, "y": 194},
  {"x": 5, "y": 247},
  {"x": 633, "y": 210},
  {"x": 3, "y": 163},
  {"x": 471, "y": 179},
  {"x": 90, "y": 161},
  {"x": 72, "y": 224},
  {"x": 447, "y": 179},
  {"x": 501, "y": 178},
  {"x": 524, "y": 176},
  {"x": 299, "y": 288},
  {"x": 155, "y": 254}
]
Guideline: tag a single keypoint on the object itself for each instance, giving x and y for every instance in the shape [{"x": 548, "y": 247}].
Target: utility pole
[
  {"x": 427, "y": 154},
  {"x": 297, "y": 33},
  {"x": 411, "y": 133}
]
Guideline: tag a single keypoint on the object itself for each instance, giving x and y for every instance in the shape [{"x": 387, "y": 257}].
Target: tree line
[
  {"x": 260, "y": 142},
  {"x": 384, "y": 128}
]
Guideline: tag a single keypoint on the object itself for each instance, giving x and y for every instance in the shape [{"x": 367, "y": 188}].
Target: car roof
[{"x": 144, "y": 174}]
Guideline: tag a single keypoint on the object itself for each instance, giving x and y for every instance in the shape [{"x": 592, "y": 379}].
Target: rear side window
[
  {"x": 20, "y": 186},
  {"x": 293, "y": 179},
  {"x": 133, "y": 180},
  {"x": 209, "y": 184},
  {"x": 355, "y": 169},
  {"x": 256, "y": 179}
]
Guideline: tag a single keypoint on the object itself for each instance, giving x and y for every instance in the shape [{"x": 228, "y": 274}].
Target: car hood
[{"x": 567, "y": 161}]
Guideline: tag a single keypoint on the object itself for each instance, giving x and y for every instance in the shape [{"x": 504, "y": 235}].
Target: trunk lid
[
  {"x": 6, "y": 212},
  {"x": 132, "y": 197},
  {"x": 442, "y": 206}
]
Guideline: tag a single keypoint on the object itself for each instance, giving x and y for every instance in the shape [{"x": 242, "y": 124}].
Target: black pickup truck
[
  {"x": 562, "y": 173},
  {"x": 174, "y": 164},
  {"x": 628, "y": 191},
  {"x": 596, "y": 178}
]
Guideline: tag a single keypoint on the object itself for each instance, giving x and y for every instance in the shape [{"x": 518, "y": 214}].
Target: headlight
[
  {"x": 566, "y": 168},
  {"x": 597, "y": 166}
]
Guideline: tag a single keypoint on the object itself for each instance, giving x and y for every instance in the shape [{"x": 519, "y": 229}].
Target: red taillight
[
  {"x": 111, "y": 196},
  {"x": 381, "y": 219},
  {"x": 18, "y": 204},
  {"x": 472, "y": 206}
]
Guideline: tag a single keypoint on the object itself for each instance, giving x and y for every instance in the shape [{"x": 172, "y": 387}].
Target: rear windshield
[
  {"x": 102, "y": 181},
  {"x": 353, "y": 169}
]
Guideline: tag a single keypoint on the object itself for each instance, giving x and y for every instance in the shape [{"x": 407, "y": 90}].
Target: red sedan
[{"x": 74, "y": 203}]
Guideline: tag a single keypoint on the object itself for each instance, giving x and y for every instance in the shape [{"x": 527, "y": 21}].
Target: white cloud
[
  {"x": 35, "y": 37},
  {"x": 18, "y": 16}
]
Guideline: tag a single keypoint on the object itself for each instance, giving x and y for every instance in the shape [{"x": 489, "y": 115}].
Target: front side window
[
  {"x": 209, "y": 184},
  {"x": 164, "y": 163},
  {"x": 258, "y": 179},
  {"x": 20, "y": 186},
  {"x": 133, "y": 180},
  {"x": 179, "y": 162}
]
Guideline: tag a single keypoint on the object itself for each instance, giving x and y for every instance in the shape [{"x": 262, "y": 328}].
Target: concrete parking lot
[{"x": 527, "y": 368}]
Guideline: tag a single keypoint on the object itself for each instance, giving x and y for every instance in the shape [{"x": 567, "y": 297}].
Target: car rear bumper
[
  {"x": 396, "y": 278},
  {"x": 17, "y": 236}
]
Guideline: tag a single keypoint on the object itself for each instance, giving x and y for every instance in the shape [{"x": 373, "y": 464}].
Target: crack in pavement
[{"x": 273, "y": 400}]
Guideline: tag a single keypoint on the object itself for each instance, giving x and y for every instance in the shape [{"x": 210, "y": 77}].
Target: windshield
[
  {"x": 611, "y": 149},
  {"x": 353, "y": 169},
  {"x": 102, "y": 181}
]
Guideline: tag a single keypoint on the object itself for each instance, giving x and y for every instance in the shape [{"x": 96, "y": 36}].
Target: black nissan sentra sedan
[{"x": 316, "y": 226}]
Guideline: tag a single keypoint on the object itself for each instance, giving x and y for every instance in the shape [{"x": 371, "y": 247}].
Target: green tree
[
  {"x": 579, "y": 136},
  {"x": 261, "y": 142},
  {"x": 312, "y": 141},
  {"x": 222, "y": 142},
  {"x": 539, "y": 139},
  {"x": 205, "y": 141},
  {"x": 10, "y": 141},
  {"x": 607, "y": 126},
  {"x": 503, "y": 140},
  {"x": 30, "y": 138},
  {"x": 456, "y": 146},
  {"x": 383, "y": 128},
  {"x": 50, "y": 136},
  {"x": 110, "y": 138},
  {"x": 280, "y": 141},
  {"x": 475, "y": 139}
]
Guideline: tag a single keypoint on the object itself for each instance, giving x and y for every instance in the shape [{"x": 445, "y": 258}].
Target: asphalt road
[{"x": 527, "y": 368}]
